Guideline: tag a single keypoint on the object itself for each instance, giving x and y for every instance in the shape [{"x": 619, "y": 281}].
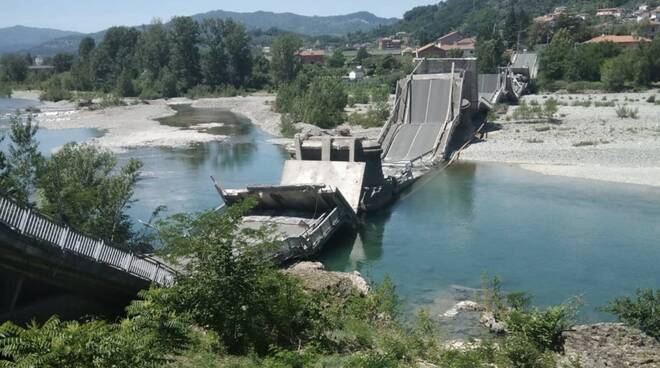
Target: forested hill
[
  {"x": 482, "y": 16},
  {"x": 304, "y": 25},
  {"x": 18, "y": 38}
]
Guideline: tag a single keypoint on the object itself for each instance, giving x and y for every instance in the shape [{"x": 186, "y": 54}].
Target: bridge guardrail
[{"x": 30, "y": 223}]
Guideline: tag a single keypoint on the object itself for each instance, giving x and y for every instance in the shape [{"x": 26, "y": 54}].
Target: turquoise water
[{"x": 553, "y": 237}]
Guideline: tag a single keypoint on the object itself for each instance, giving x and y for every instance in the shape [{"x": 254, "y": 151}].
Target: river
[{"x": 554, "y": 237}]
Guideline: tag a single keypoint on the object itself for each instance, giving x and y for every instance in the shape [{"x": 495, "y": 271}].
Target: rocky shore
[{"x": 586, "y": 140}]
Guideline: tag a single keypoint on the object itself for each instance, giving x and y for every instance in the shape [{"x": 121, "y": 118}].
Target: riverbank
[
  {"x": 137, "y": 126},
  {"x": 589, "y": 142}
]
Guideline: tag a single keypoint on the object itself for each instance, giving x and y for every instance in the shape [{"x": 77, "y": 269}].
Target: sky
[{"x": 95, "y": 15}]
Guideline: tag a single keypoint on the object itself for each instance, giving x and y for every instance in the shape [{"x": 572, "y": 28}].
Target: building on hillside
[
  {"x": 356, "y": 74},
  {"x": 628, "y": 41},
  {"x": 389, "y": 43},
  {"x": 308, "y": 57},
  {"x": 430, "y": 51},
  {"x": 450, "y": 38},
  {"x": 444, "y": 45},
  {"x": 610, "y": 12},
  {"x": 467, "y": 46},
  {"x": 551, "y": 17}
]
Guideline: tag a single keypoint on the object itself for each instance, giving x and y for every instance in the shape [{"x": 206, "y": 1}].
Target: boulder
[
  {"x": 610, "y": 345},
  {"x": 316, "y": 278}
]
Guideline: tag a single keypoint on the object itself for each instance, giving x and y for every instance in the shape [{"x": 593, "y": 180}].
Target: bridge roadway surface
[{"x": 429, "y": 109}]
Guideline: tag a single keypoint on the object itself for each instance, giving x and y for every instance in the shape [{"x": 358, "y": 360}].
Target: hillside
[
  {"x": 335, "y": 25},
  {"x": 305, "y": 25},
  {"x": 481, "y": 16},
  {"x": 18, "y": 38}
]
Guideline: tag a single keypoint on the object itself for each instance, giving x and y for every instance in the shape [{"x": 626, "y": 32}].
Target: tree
[
  {"x": 153, "y": 49},
  {"x": 362, "y": 54},
  {"x": 554, "y": 58},
  {"x": 24, "y": 160},
  {"x": 237, "y": 43},
  {"x": 215, "y": 61},
  {"x": 337, "y": 59},
  {"x": 82, "y": 186},
  {"x": 284, "y": 63},
  {"x": 612, "y": 75},
  {"x": 490, "y": 54},
  {"x": 184, "y": 52},
  {"x": 13, "y": 67},
  {"x": 112, "y": 56},
  {"x": 324, "y": 102},
  {"x": 63, "y": 62},
  {"x": 260, "y": 76},
  {"x": 238, "y": 295},
  {"x": 86, "y": 47}
]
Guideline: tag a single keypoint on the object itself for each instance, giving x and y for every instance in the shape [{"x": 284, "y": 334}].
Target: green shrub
[
  {"x": 641, "y": 311},
  {"x": 86, "y": 345},
  {"x": 54, "y": 90},
  {"x": 522, "y": 353},
  {"x": 625, "y": 112},
  {"x": 543, "y": 328}
]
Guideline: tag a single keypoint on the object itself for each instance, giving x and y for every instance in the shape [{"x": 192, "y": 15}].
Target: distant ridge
[
  {"x": 334, "y": 25},
  {"x": 49, "y": 41},
  {"x": 19, "y": 38}
]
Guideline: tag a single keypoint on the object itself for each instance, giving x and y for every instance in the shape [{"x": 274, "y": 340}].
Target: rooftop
[{"x": 627, "y": 39}]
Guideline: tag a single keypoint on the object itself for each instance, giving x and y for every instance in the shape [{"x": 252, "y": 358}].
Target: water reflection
[{"x": 554, "y": 237}]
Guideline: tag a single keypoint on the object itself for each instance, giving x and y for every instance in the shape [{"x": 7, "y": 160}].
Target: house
[
  {"x": 466, "y": 45},
  {"x": 431, "y": 51},
  {"x": 356, "y": 74},
  {"x": 622, "y": 41},
  {"x": 450, "y": 38},
  {"x": 443, "y": 45},
  {"x": 308, "y": 57},
  {"x": 389, "y": 43},
  {"x": 610, "y": 12}
]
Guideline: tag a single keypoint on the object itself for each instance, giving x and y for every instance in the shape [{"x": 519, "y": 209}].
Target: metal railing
[{"x": 31, "y": 224}]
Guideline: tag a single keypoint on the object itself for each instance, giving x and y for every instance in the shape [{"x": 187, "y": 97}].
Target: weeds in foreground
[{"x": 625, "y": 112}]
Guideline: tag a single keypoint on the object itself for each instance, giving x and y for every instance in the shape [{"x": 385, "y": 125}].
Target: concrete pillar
[
  {"x": 351, "y": 150},
  {"x": 326, "y": 149},
  {"x": 297, "y": 144}
]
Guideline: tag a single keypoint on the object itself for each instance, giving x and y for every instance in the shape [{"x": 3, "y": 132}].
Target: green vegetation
[
  {"x": 93, "y": 194},
  {"x": 533, "y": 110},
  {"x": 565, "y": 60},
  {"x": 625, "y": 112},
  {"x": 79, "y": 185},
  {"x": 160, "y": 61},
  {"x": 642, "y": 311}
]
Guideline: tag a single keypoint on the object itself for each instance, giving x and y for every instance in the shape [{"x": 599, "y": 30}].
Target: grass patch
[
  {"x": 625, "y": 112},
  {"x": 542, "y": 129},
  {"x": 534, "y": 140}
]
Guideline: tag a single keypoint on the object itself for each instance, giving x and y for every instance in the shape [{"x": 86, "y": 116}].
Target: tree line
[
  {"x": 157, "y": 61},
  {"x": 614, "y": 67}
]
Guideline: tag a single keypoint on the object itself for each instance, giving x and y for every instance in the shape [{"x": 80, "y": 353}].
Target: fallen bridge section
[
  {"x": 430, "y": 104},
  {"x": 314, "y": 200}
]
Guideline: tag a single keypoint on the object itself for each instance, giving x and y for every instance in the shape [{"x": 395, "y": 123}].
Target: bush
[
  {"x": 54, "y": 90},
  {"x": 87, "y": 345},
  {"x": 642, "y": 311},
  {"x": 625, "y": 112},
  {"x": 651, "y": 99},
  {"x": 372, "y": 118}
]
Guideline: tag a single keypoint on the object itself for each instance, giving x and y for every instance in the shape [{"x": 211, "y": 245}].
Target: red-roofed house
[
  {"x": 446, "y": 43},
  {"x": 623, "y": 41},
  {"x": 312, "y": 56}
]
